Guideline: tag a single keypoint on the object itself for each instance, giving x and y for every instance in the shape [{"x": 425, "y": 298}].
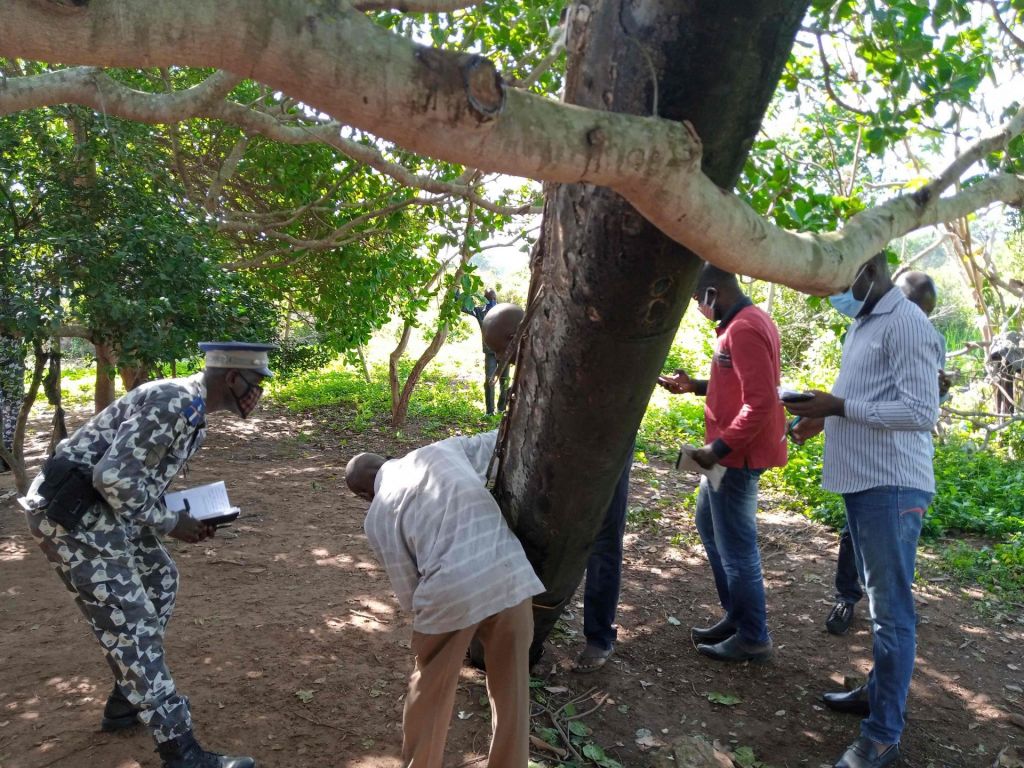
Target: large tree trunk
[{"x": 615, "y": 287}]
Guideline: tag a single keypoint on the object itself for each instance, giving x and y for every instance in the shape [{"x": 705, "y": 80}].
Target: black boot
[
  {"x": 185, "y": 752},
  {"x": 119, "y": 714}
]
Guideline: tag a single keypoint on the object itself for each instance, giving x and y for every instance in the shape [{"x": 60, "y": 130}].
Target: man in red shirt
[{"x": 745, "y": 428}]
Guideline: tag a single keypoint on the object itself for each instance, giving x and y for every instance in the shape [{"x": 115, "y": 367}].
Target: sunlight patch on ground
[
  {"x": 323, "y": 556},
  {"x": 72, "y": 685},
  {"x": 12, "y": 550}
]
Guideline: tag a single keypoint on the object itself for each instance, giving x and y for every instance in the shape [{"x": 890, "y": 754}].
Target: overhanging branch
[
  {"x": 92, "y": 87},
  {"x": 456, "y": 108}
]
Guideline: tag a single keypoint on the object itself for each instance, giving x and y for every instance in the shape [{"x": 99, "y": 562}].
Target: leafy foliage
[{"x": 102, "y": 238}]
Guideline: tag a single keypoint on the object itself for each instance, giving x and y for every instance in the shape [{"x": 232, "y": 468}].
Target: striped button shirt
[
  {"x": 889, "y": 380},
  {"x": 440, "y": 535}
]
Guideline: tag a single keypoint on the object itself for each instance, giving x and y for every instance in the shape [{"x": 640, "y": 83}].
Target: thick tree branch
[
  {"x": 976, "y": 152},
  {"x": 91, "y": 87},
  {"x": 455, "y": 107}
]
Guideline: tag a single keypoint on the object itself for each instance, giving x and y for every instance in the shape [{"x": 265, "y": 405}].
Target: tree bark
[
  {"x": 133, "y": 375},
  {"x": 106, "y": 364},
  {"x": 615, "y": 287}
]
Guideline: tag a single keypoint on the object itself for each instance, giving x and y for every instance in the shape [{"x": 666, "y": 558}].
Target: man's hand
[
  {"x": 191, "y": 530},
  {"x": 945, "y": 382},
  {"x": 706, "y": 457},
  {"x": 818, "y": 407},
  {"x": 678, "y": 383},
  {"x": 805, "y": 429}
]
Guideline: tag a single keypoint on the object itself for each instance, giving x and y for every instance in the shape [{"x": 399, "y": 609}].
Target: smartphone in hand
[{"x": 793, "y": 396}]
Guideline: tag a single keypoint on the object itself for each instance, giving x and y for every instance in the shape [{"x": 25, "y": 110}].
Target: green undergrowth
[
  {"x": 975, "y": 524},
  {"x": 440, "y": 405}
]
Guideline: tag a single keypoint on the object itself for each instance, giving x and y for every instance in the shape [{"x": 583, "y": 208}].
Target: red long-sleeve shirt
[{"x": 742, "y": 409}]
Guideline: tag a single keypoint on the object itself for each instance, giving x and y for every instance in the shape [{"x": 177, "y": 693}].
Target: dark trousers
[
  {"x": 490, "y": 366},
  {"x": 604, "y": 568},
  {"x": 848, "y": 588}
]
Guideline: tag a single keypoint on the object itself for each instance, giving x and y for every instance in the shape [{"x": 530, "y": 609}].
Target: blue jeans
[
  {"x": 885, "y": 524},
  {"x": 847, "y": 577},
  {"x": 604, "y": 568},
  {"x": 727, "y": 524}
]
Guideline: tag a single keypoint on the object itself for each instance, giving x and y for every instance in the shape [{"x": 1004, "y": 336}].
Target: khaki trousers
[{"x": 506, "y": 638}]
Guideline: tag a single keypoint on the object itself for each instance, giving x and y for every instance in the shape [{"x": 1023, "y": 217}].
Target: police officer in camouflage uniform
[
  {"x": 12, "y": 389},
  {"x": 112, "y": 558}
]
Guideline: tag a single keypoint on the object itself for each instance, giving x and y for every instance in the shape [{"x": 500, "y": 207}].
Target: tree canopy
[{"x": 893, "y": 70}]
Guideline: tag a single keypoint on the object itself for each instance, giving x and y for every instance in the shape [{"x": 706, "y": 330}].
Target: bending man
[{"x": 458, "y": 569}]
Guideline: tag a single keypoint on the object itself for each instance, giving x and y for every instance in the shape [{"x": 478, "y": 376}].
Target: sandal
[{"x": 592, "y": 658}]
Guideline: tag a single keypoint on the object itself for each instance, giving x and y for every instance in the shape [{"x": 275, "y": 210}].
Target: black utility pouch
[{"x": 68, "y": 491}]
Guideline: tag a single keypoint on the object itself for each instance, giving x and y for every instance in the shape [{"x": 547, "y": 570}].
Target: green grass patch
[
  {"x": 998, "y": 567},
  {"x": 440, "y": 405},
  {"x": 665, "y": 428},
  {"x": 979, "y": 492}
]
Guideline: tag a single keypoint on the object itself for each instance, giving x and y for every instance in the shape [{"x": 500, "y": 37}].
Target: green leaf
[
  {"x": 725, "y": 699},
  {"x": 594, "y": 752},
  {"x": 578, "y": 728},
  {"x": 744, "y": 757}
]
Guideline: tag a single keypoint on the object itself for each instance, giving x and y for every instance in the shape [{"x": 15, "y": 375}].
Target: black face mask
[{"x": 250, "y": 398}]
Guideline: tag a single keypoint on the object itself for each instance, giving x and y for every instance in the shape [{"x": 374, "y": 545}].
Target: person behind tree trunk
[
  {"x": 878, "y": 454},
  {"x": 458, "y": 569},
  {"x": 920, "y": 289},
  {"x": 745, "y": 429},
  {"x": 97, "y": 512},
  {"x": 490, "y": 357},
  {"x": 12, "y": 390},
  {"x": 604, "y": 565}
]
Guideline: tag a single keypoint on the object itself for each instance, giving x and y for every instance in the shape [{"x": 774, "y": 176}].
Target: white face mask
[{"x": 707, "y": 307}]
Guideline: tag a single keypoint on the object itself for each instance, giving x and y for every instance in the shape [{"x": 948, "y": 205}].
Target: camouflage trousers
[{"x": 125, "y": 583}]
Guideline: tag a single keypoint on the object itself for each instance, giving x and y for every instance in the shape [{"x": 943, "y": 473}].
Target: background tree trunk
[
  {"x": 133, "y": 375},
  {"x": 615, "y": 288},
  {"x": 106, "y": 365}
]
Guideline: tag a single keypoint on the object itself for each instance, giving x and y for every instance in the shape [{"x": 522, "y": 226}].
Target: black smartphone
[{"x": 796, "y": 397}]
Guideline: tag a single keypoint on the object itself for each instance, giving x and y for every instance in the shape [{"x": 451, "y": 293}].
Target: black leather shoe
[
  {"x": 716, "y": 633},
  {"x": 185, "y": 752},
  {"x": 853, "y": 702},
  {"x": 734, "y": 649},
  {"x": 839, "y": 618},
  {"x": 861, "y": 754},
  {"x": 119, "y": 714}
]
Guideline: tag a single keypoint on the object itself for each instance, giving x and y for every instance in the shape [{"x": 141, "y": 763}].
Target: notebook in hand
[{"x": 208, "y": 503}]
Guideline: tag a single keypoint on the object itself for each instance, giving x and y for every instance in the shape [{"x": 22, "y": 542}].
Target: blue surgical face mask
[{"x": 846, "y": 304}]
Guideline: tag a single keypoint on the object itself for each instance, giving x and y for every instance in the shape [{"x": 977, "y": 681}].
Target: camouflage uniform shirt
[{"x": 137, "y": 444}]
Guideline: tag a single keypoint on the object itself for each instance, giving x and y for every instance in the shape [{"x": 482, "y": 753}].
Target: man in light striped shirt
[
  {"x": 458, "y": 569},
  {"x": 878, "y": 455}
]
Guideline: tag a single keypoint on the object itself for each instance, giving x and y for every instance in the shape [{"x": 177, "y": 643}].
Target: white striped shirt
[
  {"x": 441, "y": 537},
  {"x": 889, "y": 380}
]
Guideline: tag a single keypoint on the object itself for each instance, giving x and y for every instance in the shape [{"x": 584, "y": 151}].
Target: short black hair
[{"x": 712, "y": 277}]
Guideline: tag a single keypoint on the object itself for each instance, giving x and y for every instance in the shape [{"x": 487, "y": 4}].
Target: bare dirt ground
[{"x": 288, "y": 641}]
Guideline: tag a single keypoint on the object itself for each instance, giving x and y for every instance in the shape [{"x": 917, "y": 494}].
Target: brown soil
[{"x": 288, "y": 640}]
